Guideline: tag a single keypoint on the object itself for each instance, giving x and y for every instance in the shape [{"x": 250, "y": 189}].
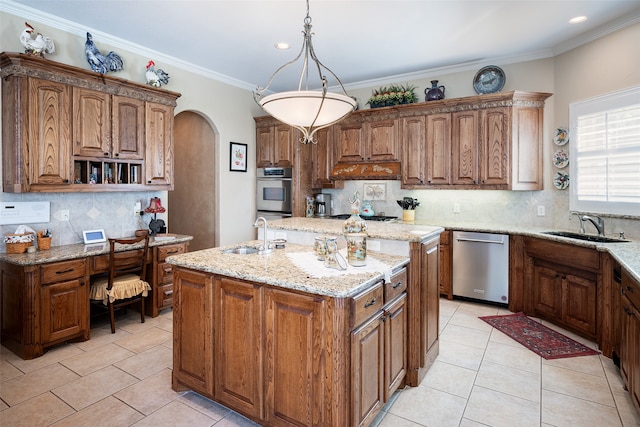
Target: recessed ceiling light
[
  {"x": 577, "y": 19},
  {"x": 282, "y": 46}
]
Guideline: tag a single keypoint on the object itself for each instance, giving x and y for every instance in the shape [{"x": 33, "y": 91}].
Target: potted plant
[{"x": 392, "y": 95}]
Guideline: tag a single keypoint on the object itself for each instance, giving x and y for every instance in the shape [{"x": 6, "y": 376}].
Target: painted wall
[{"x": 229, "y": 109}]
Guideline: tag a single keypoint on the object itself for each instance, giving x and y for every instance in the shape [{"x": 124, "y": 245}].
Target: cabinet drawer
[
  {"x": 396, "y": 286},
  {"x": 165, "y": 275},
  {"x": 165, "y": 295},
  {"x": 365, "y": 304},
  {"x": 631, "y": 289},
  {"x": 168, "y": 250},
  {"x": 64, "y": 270}
]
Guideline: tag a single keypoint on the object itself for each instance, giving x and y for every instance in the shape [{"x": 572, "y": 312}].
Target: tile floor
[{"x": 481, "y": 378}]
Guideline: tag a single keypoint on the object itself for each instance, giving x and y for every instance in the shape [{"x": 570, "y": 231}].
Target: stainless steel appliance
[
  {"x": 323, "y": 204},
  {"x": 274, "y": 195},
  {"x": 481, "y": 266}
]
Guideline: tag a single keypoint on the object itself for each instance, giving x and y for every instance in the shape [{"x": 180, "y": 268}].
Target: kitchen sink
[
  {"x": 242, "y": 250},
  {"x": 587, "y": 237}
]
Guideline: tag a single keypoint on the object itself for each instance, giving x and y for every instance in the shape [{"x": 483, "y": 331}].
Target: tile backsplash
[{"x": 111, "y": 211}]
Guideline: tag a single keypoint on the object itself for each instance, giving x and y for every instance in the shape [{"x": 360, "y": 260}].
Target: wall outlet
[
  {"x": 456, "y": 208},
  {"x": 64, "y": 215},
  {"x": 137, "y": 208},
  {"x": 541, "y": 210}
]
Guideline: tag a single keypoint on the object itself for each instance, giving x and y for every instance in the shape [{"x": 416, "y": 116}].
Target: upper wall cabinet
[
  {"x": 274, "y": 143},
  {"x": 70, "y": 129}
]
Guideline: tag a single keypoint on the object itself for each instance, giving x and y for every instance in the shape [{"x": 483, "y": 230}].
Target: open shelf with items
[{"x": 92, "y": 171}]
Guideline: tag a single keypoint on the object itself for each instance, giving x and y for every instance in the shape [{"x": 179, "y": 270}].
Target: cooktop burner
[{"x": 368, "y": 218}]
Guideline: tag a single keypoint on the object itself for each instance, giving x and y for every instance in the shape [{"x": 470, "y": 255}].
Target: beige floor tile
[
  {"x": 236, "y": 420},
  {"x": 8, "y": 371},
  {"x": 176, "y": 414},
  {"x": 479, "y": 309},
  {"x": 514, "y": 382},
  {"x": 460, "y": 355},
  {"x": 469, "y": 320},
  {"x": 54, "y": 355},
  {"x": 563, "y": 410},
  {"x": 96, "y": 359},
  {"x": 138, "y": 397},
  {"x": 147, "y": 363},
  {"x": 449, "y": 378},
  {"x": 467, "y": 336},
  {"x": 577, "y": 384},
  {"x": 108, "y": 412},
  {"x": 497, "y": 409},
  {"x": 3, "y": 406},
  {"x": 144, "y": 341},
  {"x": 429, "y": 407},
  {"x": 443, "y": 322},
  {"x": 629, "y": 415},
  {"x": 586, "y": 364},
  {"x": 208, "y": 407},
  {"x": 517, "y": 357},
  {"x": 34, "y": 383},
  {"x": 448, "y": 307},
  {"x": 42, "y": 410},
  {"x": 94, "y": 387},
  {"x": 165, "y": 324},
  {"x": 133, "y": 325},
  {"x": 101, "y": 336},
  {"x": 466, "y": 422},
  {"x": 391, "y": 420}
]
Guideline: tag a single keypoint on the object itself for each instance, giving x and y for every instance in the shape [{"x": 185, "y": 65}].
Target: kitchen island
[{"x": 270, "y": 337}]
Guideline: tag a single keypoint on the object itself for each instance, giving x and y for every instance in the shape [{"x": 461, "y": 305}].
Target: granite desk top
[
  {"x": 78, "y": 250},
  {"x": 282, "y": 268}
]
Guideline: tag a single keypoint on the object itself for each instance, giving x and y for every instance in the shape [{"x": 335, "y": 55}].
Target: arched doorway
[{"x": 193, "y": 201}]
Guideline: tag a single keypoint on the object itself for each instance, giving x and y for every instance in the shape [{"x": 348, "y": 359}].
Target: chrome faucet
[
  {"x": 264, "y": 248},
  {"x": 579, "y": 219},
  {"x": 597, "y": 222}
]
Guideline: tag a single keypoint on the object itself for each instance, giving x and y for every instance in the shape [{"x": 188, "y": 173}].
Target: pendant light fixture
[{"x": 307, "y": 110}]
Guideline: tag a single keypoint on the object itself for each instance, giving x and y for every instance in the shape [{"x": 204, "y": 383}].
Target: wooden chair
[{"x": 125, "y": 282}]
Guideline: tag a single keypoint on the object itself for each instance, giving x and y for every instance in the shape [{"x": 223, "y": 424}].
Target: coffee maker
[{"x": 323, "y": 205}]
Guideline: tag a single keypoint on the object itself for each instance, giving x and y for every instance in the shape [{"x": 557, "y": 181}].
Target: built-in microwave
[{"x": 274, "y": 190}]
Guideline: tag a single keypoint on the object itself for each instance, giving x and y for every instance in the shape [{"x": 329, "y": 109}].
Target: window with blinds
[{"x": 605, "y": 154}]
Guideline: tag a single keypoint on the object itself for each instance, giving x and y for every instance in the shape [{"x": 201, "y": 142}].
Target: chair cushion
[{"x": 124, "y": 287}]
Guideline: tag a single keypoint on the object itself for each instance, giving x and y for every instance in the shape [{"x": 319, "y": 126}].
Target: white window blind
[{"x": 605, "y": 154}]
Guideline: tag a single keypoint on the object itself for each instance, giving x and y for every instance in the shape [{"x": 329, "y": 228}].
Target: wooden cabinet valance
[{"x": 70, "y": 129}]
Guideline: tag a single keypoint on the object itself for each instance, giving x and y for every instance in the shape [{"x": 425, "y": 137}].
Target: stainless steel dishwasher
[{"x": 481, "y": 266}]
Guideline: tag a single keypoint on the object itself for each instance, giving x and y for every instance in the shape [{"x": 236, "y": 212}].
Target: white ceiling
[{"x": 363, "y": 42}]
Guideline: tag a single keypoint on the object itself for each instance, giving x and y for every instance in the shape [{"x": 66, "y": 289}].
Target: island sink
[{"x": 587, "y": 237}]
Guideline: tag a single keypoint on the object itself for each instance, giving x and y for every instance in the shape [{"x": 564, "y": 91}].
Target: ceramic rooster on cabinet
[
  {"x": 101, "y": 63},
  {"x": 155, "y": 76},
  {"x": 38, "y": 45}
]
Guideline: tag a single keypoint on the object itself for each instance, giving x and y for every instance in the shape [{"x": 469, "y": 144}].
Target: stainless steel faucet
[
  {"x": 579, "y": 219},
  {"x": 264, "y": 248},
  {"x": 597, "y": 222}
]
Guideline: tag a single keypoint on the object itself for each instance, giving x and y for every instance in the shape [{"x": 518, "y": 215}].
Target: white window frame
[{"x": 610, "y": 101}]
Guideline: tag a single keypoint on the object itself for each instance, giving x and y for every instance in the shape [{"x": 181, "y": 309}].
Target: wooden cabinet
[
  {"x": 160, "y": 276},
  {"x": 630, "y": 336},
  {"x": 438, "y": 149},
  {"x": 446, "y": 283},
  {"x": 322, "y": 158},
  {"x": 465, "y": 146},
  {"x": 371, "y": 141},
  {"x": 563, "y": 285},
  {"x": 414, "y": 150},
  {"x": 274, "y": 143},
  {"x": 64, "y": 297},
  {"x": 69, "y": 129},
  {"x": 495, "y": 149}
]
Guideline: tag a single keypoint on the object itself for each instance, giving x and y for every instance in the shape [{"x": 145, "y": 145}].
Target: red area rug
[{"x": 538, "y": 338}]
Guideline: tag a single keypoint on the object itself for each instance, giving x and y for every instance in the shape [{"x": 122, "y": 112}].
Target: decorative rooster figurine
[
  {"x": 155, "y": 77},
  {"x": 36, "y": 46},
  {"x": 101, "y": 63}
]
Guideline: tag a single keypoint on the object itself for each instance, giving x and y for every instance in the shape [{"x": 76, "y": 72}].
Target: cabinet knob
[
  {"x": 630, "y": 289},
  {"x": 117, "y": 154},
  {"x": 106, "y": 154},
  {"x": 66, "y": 181}
]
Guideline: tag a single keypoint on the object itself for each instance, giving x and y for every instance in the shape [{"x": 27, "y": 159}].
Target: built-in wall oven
[{"x": 274, "y": 195}]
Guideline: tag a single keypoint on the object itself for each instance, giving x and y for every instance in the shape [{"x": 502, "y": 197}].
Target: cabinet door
[
  {"x": 294, "y": 359},
  {"x": 547, "y": 293},
  {"x": 350, "y": 142},
  {"x": 579, "y": 303},
  {"x": 439, "y": 149},
  {"x": 367, "y": 370},
  {"x": 414, "y": 150},
  {"x": 445, "y": 265},
  {"x": 128, "y": 128},
  {"x": 495, "y": 146},
  {"x": 430, "y": 295},
  {"x": 465, "y": 147},
  {"x": 634, "y": 356},
  {"x": 395, "y": 348},
  {"x": 626, "y": 338},
  {"x": 91, "y": 123},
  {"x": 382, "y": 141},
  {"x": 64, "y": 310},
  {"x": 283, "y": 149},
  {"x": 193, "y": 331},
  {"x": 159, "y": 144},
  {"x": 238, "y": 346},
  {"x": 264, "y": 146},
  {"x": 322, "y": 159},
  {"x": 49, "y": 140}
]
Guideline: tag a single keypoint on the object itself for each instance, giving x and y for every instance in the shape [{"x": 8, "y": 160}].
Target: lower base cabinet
[{"x": 630, "y": 336}]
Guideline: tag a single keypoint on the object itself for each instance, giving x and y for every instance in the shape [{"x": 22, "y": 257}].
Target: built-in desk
[{"x": 44, "y": 296}]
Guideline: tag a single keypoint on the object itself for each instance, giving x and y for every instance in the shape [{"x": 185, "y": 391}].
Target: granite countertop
[
  {"x": 77, "y": 250},
  {"x": 279, "y": 268},
  {"x": 627, "y": 254}
]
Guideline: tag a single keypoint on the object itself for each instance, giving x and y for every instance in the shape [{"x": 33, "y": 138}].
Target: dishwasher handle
[{"x": 465, "y": 239}]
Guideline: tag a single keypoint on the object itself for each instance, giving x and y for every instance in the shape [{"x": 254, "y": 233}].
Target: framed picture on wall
[{"x": 238, "y": 159}]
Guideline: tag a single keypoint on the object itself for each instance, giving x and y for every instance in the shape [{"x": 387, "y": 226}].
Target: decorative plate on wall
[
  {"x": 560, "y": 159},
  {"x": 561, "y": 136},
  {"x": 561, "y": 181},
  {"x": 489, "y": 79}
]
